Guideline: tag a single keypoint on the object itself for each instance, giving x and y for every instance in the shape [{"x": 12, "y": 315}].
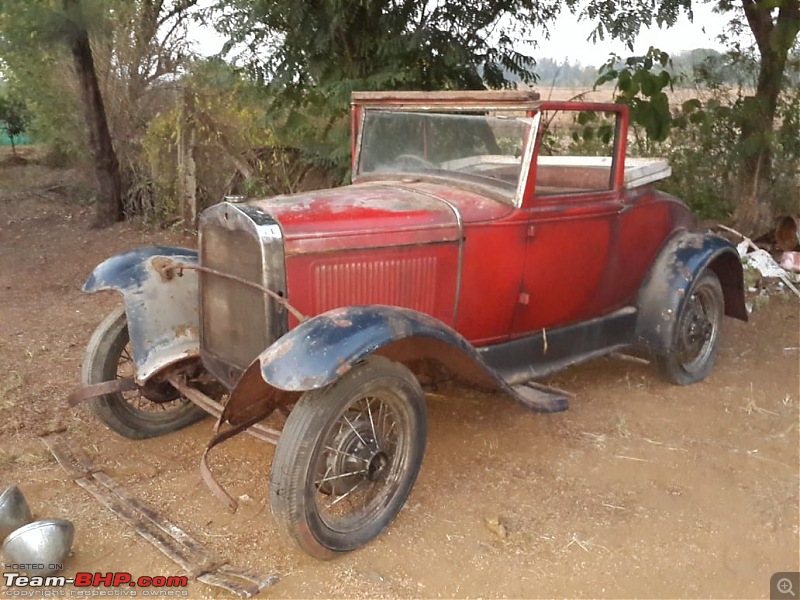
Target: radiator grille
[
  {"x": 410, "y": 283},
  {"x": 234, "y": 316}
]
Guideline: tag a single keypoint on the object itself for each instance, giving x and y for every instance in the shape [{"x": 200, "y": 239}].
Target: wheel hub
[
  {"x": 352, "y": 454},
  {"x": 377, "y": 465},
  {"x": 697, "y": 331}
]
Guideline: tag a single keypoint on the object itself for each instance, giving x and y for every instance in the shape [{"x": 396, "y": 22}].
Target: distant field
[{"x": 606, "y": 94}]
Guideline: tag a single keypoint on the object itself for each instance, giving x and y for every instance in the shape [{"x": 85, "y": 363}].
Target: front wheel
[
  {"x": 698, "y": 333},
  {"x": 131, "y": 414},
  {"x": 348, "y": 457}
]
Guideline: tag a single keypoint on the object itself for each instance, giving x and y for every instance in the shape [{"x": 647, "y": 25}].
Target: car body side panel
[
  {"x": 646, "y": 220},
  {"x": 421, "y": 277},
  {"x": 494, "y": 255},
  {"x": 162, "y": 312},
  {"x": 569, "y": 254}
]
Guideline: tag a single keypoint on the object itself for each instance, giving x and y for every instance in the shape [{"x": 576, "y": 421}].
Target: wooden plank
[
  {"x": 146, "y": 530},
  {"x": 493, "y": 97},
  {"x": 172, "y": 541}
]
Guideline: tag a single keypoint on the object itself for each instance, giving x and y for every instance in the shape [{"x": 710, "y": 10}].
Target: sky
[{"x": 568, "y": 38}]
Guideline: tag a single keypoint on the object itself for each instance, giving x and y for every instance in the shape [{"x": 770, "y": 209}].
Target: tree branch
[{"x": 181, "y": 6}]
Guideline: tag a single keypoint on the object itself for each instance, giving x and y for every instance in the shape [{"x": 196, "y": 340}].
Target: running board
[{"x": 541, "y": 398}]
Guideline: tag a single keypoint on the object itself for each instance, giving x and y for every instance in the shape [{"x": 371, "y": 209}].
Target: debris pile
[{"x": 764, "y": 275}]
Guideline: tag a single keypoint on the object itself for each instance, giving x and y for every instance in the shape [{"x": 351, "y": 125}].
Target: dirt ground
[{"x": 641, "y": 489}]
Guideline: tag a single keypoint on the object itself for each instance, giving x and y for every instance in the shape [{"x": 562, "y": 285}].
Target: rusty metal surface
[
  {"x": 667, "y": 286},
  {"x": 222, "y": 436},
  {"x": 253, "y": 396},
  {"x": 100, "y": 389},
  {"x": 167, "y": 537},
  {"x": 162, "y": 312}
]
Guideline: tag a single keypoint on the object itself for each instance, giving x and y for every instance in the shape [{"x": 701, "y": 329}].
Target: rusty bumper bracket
[
  {"x": 252, "y": 426},
  {"x": 100, "y": 389},
  {"x": 214, "y": 408},
  {"x": 187, "y": 552}
]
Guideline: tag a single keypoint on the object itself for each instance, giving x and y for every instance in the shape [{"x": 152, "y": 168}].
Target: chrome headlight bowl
[
  {"x": 40, "y": 547},
  {"x": 14, "y": 511}
]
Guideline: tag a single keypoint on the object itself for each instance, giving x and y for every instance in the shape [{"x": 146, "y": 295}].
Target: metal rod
[
  {"x": 214, "y": 408},
  {"x": 276, "y": 297}
]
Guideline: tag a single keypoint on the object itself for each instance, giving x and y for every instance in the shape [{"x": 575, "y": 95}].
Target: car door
[{"x": 572, "y": 217}]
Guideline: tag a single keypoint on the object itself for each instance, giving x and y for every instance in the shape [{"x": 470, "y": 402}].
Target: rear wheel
[
  {"x": 348, "y": 457},
  {"x": 131, "y": 414},
  {"x": 698, "y": 333}
]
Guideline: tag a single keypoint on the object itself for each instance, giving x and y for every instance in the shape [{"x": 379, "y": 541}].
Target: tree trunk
[
  {"x": 775, "y": 39},
  {"x": 13, "y": 148},
  {"x": 108, "y": 208}
]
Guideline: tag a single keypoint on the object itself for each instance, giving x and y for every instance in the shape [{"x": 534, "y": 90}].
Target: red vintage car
[{"x": 487, "y": 237}]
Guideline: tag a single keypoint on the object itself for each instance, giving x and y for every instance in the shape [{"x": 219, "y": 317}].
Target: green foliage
[
  {"x": 313, "y": 54},
  {"x": 705, "y": 149},
  {"x": 624, "y": 19},
  {"x": 641, "y": 82},
  {"x": 13, "y": 115},
  {"x": 38, "y": 68}
]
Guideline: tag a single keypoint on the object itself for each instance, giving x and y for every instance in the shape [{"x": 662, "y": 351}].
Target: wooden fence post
[{"x": 187, "y": 167}]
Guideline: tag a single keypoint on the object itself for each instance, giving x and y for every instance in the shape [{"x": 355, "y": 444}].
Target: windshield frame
[{"x": 483, "y": 185}]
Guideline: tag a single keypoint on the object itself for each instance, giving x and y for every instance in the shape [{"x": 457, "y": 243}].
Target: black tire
[
  {"x": 313, "y": 468},
  {"x": 129, "y": 413},
  {"x": 697, "y": 333}
]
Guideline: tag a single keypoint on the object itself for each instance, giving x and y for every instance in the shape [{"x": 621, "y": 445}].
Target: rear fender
[
  {"x": 322, "y": 349},
  {"x": 162, "y": 311},
  {"x": 668, "y": 286}
]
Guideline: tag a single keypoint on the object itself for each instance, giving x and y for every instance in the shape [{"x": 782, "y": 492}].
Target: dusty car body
[{"x": 475, "y": 243}]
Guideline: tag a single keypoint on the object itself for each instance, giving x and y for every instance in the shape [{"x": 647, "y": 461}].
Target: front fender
[
  {"x": 322, "y": 349},
  {"x": 162, "y": 313},
  {"x": 667, "y": 286}
]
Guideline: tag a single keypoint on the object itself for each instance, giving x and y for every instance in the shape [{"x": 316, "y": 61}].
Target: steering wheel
[{"x": 412, "y": 160}]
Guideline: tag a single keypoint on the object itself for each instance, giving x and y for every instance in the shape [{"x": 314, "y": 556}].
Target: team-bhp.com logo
[{"x": 93, "y": 584}]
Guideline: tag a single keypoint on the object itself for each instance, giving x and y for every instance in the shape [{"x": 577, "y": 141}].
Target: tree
[
  {"x": 775, "y": 25},
  {"x": 126, "y": 55},
  {"x": 13, "y": 117},
  {"x": 108, "y": 206},
  {"x": 40, "y": 28},
  {"x": 312, "y": 54}
]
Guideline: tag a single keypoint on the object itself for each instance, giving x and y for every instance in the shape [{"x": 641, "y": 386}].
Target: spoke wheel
[
  {"x": 142, "y": 413},
  {"x": 698, "y": 333},
  {"x": 348, "y": 457}
]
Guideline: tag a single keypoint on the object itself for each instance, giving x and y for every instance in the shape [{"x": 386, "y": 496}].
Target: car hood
[{"x": 366, "y": 215}]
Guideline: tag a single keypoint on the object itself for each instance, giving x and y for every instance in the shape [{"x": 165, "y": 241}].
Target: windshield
[{"x": 480, "y": 149}]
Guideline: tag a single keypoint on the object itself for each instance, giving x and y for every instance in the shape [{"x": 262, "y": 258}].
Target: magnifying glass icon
[{"x": 785, "y": 586}]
